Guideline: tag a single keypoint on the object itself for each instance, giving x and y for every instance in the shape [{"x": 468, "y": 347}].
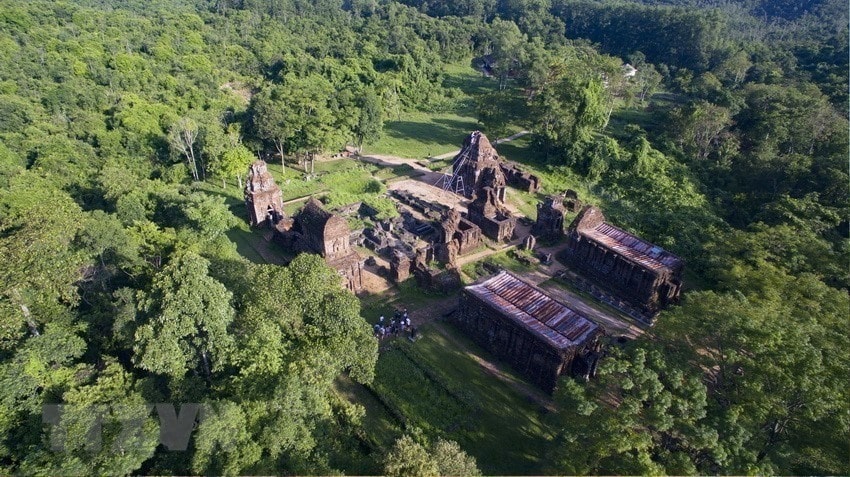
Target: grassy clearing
[
  {"x": 621, "y": 118},
  {"x": 467, "y": 79},
  {"x": 439, "y": 386},
  {"x": 404, "y": 295},
  {"x": 417, "y": 394},
  {"x": 507, "y": 434},
  {"x": 419, "y": 135},
  {"x": 341, "y": 176},
  {"x": 381, "y": 426},
  {"x": 525, "y": 202},
  {"x": 506, "y": 260},
  {"x": 245, "y": 245},
  {"x": 251, "y": 245}
]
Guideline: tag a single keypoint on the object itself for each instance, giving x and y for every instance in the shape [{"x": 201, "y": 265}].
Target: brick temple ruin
[
  {"x": 550, "y": 218},
  {"x": 263, "y": 198},
  {"x": 644, "y": 275},
  {"x": 478, "y": 166},
  {"x": 457, "y": 236},
  {"x": 315, "y": 230},
  {"x": 477, "y": 169},
  {"x": 519, "y": 179},
  {"x": 523, "y": 325},
  {"x": 312, "y": 230}
]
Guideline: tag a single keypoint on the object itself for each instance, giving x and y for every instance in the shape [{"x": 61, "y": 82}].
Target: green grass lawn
[
  {"x": 404, "y": 295},
  {"x": 415, "y": 392},
  {"x": 419, "y": 135},
  {"x": 506, "y": 260},
  {"x": 467, "y": 79},
  {"x": 524, "y": 201},
  {"x": 381, "y": 428},
  {"x": 438, "y": 386},
  {"x": 505, "y": 431}
]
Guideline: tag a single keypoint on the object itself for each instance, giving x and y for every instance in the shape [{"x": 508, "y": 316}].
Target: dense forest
[{"x": 120, "y": 286}]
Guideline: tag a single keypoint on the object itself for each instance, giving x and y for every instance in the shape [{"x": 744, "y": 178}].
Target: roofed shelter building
[
  {"x": 523, "y": 325},
  {"x": 639, "y": 272}
]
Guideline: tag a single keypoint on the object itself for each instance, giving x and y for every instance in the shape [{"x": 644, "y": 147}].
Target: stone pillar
[{"x": 399, "y": 267}]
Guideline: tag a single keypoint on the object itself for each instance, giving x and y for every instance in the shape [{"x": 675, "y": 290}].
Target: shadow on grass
[
  {"x": 243, "y": 245},
  {"x": 471, "y": 83},
  {"x": 432, "y": 133},
  {"x": 254, "y": 248},
  {"x": 521, "y": 151},
  {"x": 455, "y": 125},
  {"x": 506, "y": 433}
]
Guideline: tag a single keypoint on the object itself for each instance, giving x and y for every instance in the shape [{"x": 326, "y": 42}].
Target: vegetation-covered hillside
[{"x": 126, "y": 129}]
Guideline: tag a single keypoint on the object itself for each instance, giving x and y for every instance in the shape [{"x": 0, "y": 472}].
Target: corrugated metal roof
[
  {"x": 633, "y": 248},
  {"x": 533, "y": 309}
]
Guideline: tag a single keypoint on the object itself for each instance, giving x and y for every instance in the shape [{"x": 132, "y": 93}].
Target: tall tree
[
  {"x": 234, "y": 162},
  {"x": 702, "y": 130},
  {"x": 506, "y": 47},
  {"x": 184, "y": 320},
  {"x": 370, "y": 122},
  {"x": 182, "y": 135},
  {"x": 102, "y": 427},
  {"x": 409, "y": 456},
  {"x": 38, "y": 224},
  {"x": 271, "y": 120}
]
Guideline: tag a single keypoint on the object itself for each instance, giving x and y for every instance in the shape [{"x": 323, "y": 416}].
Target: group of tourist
[{"x": 399, "y": 323}]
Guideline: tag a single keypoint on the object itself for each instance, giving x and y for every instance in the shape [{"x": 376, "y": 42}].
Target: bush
[{"x": 384, "y": 207}]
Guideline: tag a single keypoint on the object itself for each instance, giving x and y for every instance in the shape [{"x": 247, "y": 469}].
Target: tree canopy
[{"x": 122, "y": 282}]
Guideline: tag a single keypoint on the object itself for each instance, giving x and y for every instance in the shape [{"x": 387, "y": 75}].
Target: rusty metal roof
[
  {"x": 633, "y": 248},
  {"x": 535, "y": 310}
]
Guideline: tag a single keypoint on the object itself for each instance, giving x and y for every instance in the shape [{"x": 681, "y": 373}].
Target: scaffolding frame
[{"x": 454, "y": 182}]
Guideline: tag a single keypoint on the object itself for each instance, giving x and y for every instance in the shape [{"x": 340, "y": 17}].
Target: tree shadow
[
  {"x": 458, "y": 125},
  {"x": 437, "y": 132},
  {"x": 254, "y": 248},
  {"x": 471, "y": 83}
]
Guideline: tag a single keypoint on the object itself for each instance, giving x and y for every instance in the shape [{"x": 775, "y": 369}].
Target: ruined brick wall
[
  {"x": 518, "y": 179},
  {"x": 550, "y": 218},
  {"x": 263, "y": 199},
  {"x": 336, "y": 240}
]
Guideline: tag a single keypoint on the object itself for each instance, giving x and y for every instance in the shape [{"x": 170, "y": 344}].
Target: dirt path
[
  {"x": 464, "y": 259},
  {"x": 426, "y": 175}
]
